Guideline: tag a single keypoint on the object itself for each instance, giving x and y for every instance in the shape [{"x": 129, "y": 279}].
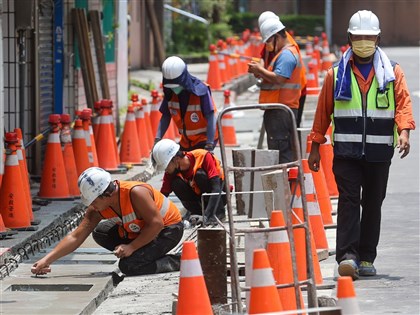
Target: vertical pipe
[
  {"x": 1, "y": 94},
  {"x": 22, "y": 77},
  {"x": 328, "y": 19},
  {"x": 36, "y": 161},
  {"x": 122, "y": 64}
]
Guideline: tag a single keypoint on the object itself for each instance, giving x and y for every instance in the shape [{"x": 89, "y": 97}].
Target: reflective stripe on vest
[{"x": 364, "y": 125}]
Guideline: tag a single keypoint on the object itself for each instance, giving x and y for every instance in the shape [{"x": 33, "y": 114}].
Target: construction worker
[
  {"x": 141, "y": 225},
  {"x": 366, "y": 97},
  {"x": 189, "y": 175},
  {"x": 190, "y": 104},
  {"x": 281, "y": 83},
  {"x": 268, "y": 56}
]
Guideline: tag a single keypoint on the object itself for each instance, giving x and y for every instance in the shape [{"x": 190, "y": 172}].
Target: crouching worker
[
  {"x": 189, "y": 175},
  {"x": 132, "y": 219}
]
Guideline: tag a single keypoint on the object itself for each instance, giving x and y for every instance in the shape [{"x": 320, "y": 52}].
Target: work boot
[
  {"x": 168, "y": 263},
  {"x": 349, "y": 268},
  {"x": 367, "y": 269}
]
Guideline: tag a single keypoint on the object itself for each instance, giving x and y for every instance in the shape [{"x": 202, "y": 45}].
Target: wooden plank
[
  {"x": 100, "y": 52},
  {"x": 89, "y": 60},
  {"x": 82, "y": 55}
]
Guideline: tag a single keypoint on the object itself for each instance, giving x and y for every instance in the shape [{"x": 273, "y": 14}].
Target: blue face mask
[{"x": 177, "y": 89}]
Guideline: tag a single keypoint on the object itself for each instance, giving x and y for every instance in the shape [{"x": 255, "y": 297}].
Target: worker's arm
[
  {"x": 322, "y": 120},
  {"x": 211, "y": 130},
  {"x": 70, "y": 243},
  {"x": 403, "y": 112},
  {"x": 145, "y": 208},
  {"x": 258, "y": 70},
  {"x": 164, "y": 122}
]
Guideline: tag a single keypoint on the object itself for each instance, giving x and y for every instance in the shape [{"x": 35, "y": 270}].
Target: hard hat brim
[{"x": 364, "y": 32}]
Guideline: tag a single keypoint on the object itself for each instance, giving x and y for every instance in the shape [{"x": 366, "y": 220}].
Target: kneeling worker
[
  {"x": 141, "y": 225},
  {"x": 189, "y": 175}
]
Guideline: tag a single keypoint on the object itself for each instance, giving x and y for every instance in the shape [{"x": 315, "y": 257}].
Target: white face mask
[{"x": 363, "y": 48}]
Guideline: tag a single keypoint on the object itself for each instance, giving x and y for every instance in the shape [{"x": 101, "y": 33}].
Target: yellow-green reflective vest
[{"x": 364, "y": 125}]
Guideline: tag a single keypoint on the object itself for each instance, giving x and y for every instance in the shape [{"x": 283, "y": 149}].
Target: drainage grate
[{"x": 49, "y": 287}]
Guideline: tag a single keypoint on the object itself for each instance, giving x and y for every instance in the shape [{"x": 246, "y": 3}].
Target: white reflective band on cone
[
  {"x": 262, "y": 278},
  {"x": 190, "y": 268}
]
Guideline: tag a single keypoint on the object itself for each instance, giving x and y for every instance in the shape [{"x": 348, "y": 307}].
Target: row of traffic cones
[{"x": 271, "y": 267}]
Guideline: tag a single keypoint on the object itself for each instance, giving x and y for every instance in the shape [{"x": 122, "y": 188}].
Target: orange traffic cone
[
  {"x": 321, "y": 189},
  {"x": 312, "y": 84},
  {"x": 213, "y": 74},
  {"x": 5, "y": 232},
  {"x": 130, "y": 147},
  {"x": 222, "y": 64},
  {"x": 2, "y": 159},
  {"x": 317, "y": 53},
  {"x": 347, "y": 297},
  {"x": 68, "y": 155},
  {"x": 314, "y": 211},
  {"x": 146, "y": 108},
  {"x": 145, "y": 146},
  {"x": 299, "y": 234},
  {"x": 193, "y": 298},
  {"x": 54, "y": 179},
  {"x": 24, "y": 175},
  {"x": 106, "y": 143},
  {"x": 263, "y": 297},
  {"x": 326, "y": 55},
  {"x": 85, "y": 116},
  {"x": 327, "y": 155},
  {"x": 278, "y": 250},
  {"x": 228, "y": 127},
  {"x": 155, "y": 114},
  {"x": 309, "y": 48},
  {"x": 95, "y": 118},
  {"x": 12, "y": 200},
  {"x": 80, "y": 150}
]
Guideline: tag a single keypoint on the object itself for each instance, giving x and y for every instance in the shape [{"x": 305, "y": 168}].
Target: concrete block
[
  {"x": 252, "y": 204},
  {"x": 280, "y": 199}
]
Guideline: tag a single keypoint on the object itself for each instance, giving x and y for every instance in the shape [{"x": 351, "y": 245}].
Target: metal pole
[
  {"x": 22, "y": 76},
  {"x": 328, "y": 19}
]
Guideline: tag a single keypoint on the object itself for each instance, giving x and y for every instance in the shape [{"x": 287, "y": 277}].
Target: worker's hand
[
  {"x": 254, "y": 68},
  {"x": 313, "y": 161},
  {"x": 123, "y": 251},
  {"x": 41, "y": 267},
  {"x": 404, "y": 143}
]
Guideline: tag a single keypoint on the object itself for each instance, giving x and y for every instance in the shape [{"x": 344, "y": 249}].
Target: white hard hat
[
  {"x": 265, "y": 16},
  {"x": 163, "y": 152},
  {"x": 172, "y": 68},
  {"x": 270, "y": 27},
  {"x": 364, "y": 23},
  {"x": 92, "y": 183}
]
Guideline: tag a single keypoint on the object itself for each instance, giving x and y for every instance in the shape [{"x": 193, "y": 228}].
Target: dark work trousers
[
  {"x": 148, "y": 259},
  {"x": 278, "y": 126},
  {"x": 189, "y": 199},
  {"x": 362, "y": 187},
  {"x": 300, "y": 109}
]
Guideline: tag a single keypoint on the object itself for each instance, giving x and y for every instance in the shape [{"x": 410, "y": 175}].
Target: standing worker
[
  {"x": 268, "y": 56},
  {"x": 281, "y": 84},
  {"x": 189, "y": 103},
  {"x": 141, "y": 225},
  {"x": 189, "y": 175},
  {"x": 366, "y": 97}
]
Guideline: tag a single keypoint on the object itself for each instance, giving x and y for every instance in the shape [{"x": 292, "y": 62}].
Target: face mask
[
  {"x": 364, "y": 48},
  {"x": 177, "y": 89}
]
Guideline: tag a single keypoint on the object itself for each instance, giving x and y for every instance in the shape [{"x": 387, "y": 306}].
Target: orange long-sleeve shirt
[{"x": 403, "y": 109}]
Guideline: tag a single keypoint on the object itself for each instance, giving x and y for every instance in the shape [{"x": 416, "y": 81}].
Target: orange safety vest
[
  {"x": 193, "y": 126},
  {"x": 287, "y": 93},
  {"x": 128, "y": 224},
  {"x": 199, "y": 155}
]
